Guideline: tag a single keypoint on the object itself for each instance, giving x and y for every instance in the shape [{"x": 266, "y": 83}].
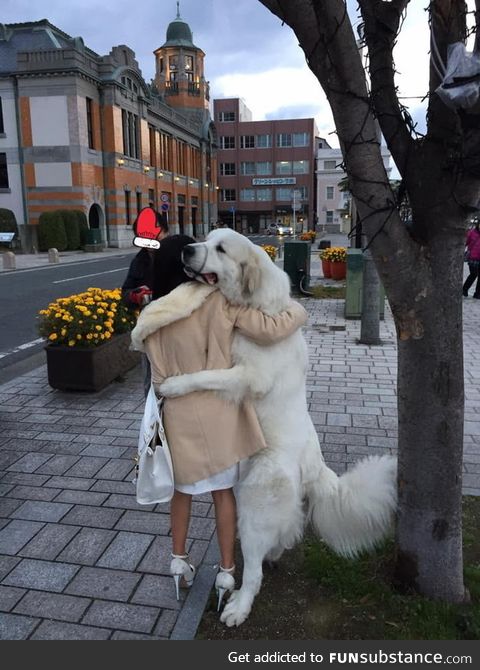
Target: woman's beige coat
[{"x": 189, "y": 330}]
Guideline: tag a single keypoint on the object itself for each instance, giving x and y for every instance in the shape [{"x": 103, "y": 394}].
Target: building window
[
  {"x": 247, "y": 167},
  {"x": 126, "y": 81},
  {"x": 329, "y": 165},
  {"x": 302, "y": 192},
  {"x": 283, "y": 167},
  {"x": 264, "y": 167},
  {"x": 247, "y": 194},
  {"x": 152, "y": 145},
  {"x": 91, "y": 138},
  {"x": 264, "y": 141},
  {"x": 227, "y": 142},
  {"x": 283, "y": 194},
  {"x": 173, "y": 62},
  {"x": 301, "y": 167},
  {"x": 284, "y": 140},
  {"x": 130, "y": 128},
  {"x": 127, "y": 208},
  {"x": 247, "y": 142},
  {"x": 3, "y": 171},
  {"x": 2, "y": 127},
  {"x": 227, "y": 195},
  {"x": 227, "y": 169},
  {"x": 301, "y": 139},
  {"x": 329, "y": 216},
  {"x": 189, "y": 64},
  {"x": 264, "y": 194},
  {"x": 151, "y": 197},
  {"x": 330, "y": 192},
  {"x": 226, "y": 116},
  {"x": 139, "y": 202}
]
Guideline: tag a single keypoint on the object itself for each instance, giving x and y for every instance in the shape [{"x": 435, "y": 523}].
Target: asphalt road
[{"x": 24, "y": 292}]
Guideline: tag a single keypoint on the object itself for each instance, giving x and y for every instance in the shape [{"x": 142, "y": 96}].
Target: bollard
[
  {"x": 9, "y": 261},
  {"x": 53, "y": 256}
]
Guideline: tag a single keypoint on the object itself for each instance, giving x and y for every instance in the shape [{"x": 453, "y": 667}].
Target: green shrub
[
  {"x": 51, "y": 232},
  {"x": 8, "y": 223},
  {"x": 82, "y": 226},
  {"x": 72, "y": 229}
]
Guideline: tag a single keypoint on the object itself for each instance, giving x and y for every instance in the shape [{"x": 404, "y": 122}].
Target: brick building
[
  {"x": 83, "y": 131},
  {"x": 265, "y": 169}
]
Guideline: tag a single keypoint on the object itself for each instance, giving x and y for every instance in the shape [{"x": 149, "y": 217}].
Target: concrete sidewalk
[
  {"x": 26, "y": 261},
  {"x": 79, "y": 559}
]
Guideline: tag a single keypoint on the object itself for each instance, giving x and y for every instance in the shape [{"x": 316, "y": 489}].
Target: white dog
[{"x": 352, "y": 512}]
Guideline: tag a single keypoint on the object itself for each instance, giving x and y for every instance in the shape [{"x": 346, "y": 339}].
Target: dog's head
[{"x": 243, "y": 271}]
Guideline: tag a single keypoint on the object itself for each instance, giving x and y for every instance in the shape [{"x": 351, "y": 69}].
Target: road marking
[
  {"x": 95, "y": 274},
  {"x": 21, "y": 347},
  {"x": 9, "y": 273}
]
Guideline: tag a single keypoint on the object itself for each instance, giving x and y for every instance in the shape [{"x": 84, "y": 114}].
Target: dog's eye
[{"x": 220, "y": 249}]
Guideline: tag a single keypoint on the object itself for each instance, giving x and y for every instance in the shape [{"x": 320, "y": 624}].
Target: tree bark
[{"x": 421, "y": 269}]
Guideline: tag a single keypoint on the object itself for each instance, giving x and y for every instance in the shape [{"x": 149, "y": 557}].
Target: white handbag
[{"x": 154, "y": 481}]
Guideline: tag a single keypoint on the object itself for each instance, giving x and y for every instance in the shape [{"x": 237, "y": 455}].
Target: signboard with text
[{"x": 274, "y": 181}]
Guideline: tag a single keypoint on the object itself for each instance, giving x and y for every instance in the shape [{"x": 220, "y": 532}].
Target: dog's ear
[{"x": 250, "y": 275}]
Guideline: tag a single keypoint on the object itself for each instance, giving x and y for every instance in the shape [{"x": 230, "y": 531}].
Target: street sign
[
  {"x": 164, "y": 197},
  {"x": 164, "y": 206},
  {"x": 232, "y": 209},
  {"x": 6, "y": 237}
]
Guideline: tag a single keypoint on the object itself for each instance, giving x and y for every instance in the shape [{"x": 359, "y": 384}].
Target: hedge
[
  {"x": 51, "y": 232},
  {"x": 72, "y": 229},
  {"x": 8, "y": 222}
]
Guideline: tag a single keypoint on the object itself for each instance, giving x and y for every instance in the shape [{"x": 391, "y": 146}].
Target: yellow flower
[
  {"x": 71, "y": 343},
  {"x": 79, "y": 337},
  {"x": 63, "y": 332},
  {"x": 98, "y": 328},
  {"x": 108, "y": 336},
  {"x": 53, "y": 336},
  {"x": 89, "y": 336},
  {"x": 100, "y": 311}
]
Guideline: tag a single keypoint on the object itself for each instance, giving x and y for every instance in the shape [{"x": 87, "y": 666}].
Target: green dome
[{"x": 179, "y": 34}]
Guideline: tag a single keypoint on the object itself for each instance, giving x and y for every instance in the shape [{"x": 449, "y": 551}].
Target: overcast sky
[{"x": 249, "y": 54}]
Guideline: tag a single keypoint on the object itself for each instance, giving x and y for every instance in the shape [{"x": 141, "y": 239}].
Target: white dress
[{"x": 222, "y": 480}]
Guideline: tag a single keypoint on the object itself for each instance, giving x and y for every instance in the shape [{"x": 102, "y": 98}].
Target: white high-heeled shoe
[
  {"x": 224, "y": 582},
  {"x": 180, "y": 568}
]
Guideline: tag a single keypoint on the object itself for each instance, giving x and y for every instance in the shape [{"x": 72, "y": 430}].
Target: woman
[
  {"x": 473, "y": 254},
  {"x": 187, "y": 330}
]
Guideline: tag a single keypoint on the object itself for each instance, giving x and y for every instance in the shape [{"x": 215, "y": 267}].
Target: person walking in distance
[{"x": 473, "y": 258}]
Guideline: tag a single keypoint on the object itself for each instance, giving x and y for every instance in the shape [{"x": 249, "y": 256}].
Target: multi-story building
[
  {"x": 266, "y": 169},
  {"x": 83, "y": 131},
  {"x": 334, "y": 202}
]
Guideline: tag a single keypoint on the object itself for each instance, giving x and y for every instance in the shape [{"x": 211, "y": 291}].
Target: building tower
[{"x": 179, "y": 75}]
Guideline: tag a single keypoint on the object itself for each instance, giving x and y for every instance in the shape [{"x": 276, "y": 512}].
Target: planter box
[
  {"x": 77, "y": 369},
  {"x": 326, "y": 269},
  {"x": 338, "y": 269}
]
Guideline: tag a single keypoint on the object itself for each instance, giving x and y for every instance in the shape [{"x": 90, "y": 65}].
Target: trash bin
[
  {"x": 296, "y": 263},
  {"x": 324, "y": 244}
]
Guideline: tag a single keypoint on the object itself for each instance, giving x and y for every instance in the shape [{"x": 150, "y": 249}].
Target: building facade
[
  {"x": 334, "y": 202},
  {"x": 83, "y": 131},
  {"x": 266, "y": 169}
]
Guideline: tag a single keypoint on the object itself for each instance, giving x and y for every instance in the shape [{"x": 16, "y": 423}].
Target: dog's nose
[{"x": 188, "y": 251}]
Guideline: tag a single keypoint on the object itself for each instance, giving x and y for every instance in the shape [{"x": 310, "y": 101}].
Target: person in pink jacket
[
  {"x": 190, "y": 329},
  {"x": 473, "y": 254}
]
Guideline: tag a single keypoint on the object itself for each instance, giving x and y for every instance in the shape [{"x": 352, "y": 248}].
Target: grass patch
[
  {"x": 324, "y": 292},
  {"x": 314, "y": 594}
]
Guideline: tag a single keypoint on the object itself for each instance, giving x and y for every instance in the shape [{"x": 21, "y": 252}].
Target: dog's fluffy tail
[{"x": 355, "y": 511}]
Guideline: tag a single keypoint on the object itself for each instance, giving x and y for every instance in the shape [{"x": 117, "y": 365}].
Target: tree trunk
[
  {"x": 430, "y": 441},
  {"x": 370, "y": 322}
]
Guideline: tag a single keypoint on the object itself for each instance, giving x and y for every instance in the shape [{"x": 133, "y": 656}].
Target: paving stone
[
  {"x": 115, "y": 469},
  {"x": 157, "y": 591},
  {"x": 41, "y": 575},
  {"x": 29, "y": 463},
  {"x": 75, "y": 483},
  {"x": 65, "y": 448},
  {"x": 127, "y": 502},
  {"x": 123, "y": 635},
  {"x": 87, "y": 466},
  {"x": 7, "y": 563},
  {"x": 133, "y": 618},
  {"x": 7, "y": 458},
  {"x": 14, "y": 536},
  {"x": 112, "y": 486},
  {"x": 34, "y": 493},
  {"x": 52, "y": 630},
  {"x": 58, "y": 464},
  {"x": 94, "y": 517},
  {"x": 102, "y": 583},
  {"x": 55, "y": 437},
  {"x": 82, "y": 497},
  {"x": 14, "y": 627},
  {"x": 157, "y": 559},
  {"x": 103, "y": 450},
  {"x": 9, "y": 597},
  {"x": 52, "y": 606},
  {"x": 126, "y": 551},
  {"x": 144, "y": 522},
  {"x": 87, "y": 546},
  {"x": 201, "y": 529},
  {"x": 8, "y": 506},
  {"x": 49, "y": 541},
  {"x": 24, "y": 479},
  {"x": 166, "y": 622},
  {"x": 41, "y": 511}
]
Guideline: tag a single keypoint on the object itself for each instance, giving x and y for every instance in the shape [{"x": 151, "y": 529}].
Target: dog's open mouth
[{"x": 210, "y": 278}]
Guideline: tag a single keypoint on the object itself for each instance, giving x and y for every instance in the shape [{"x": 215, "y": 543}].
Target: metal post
[
  {"x": 294, "y": 216},
  {"x": 233, "y": 218}
]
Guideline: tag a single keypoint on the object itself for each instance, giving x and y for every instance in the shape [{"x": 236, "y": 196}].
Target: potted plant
[
  {"x": 308, "y": 236},
  {"x": 271, "y": 250},
  {"x": 325, "y": 258},
  {"x": 88, "y": 339},
  {"x": 338, "y": 262}
]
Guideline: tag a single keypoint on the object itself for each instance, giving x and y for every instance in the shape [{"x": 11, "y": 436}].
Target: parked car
[{"x": 279, "y": 229}]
